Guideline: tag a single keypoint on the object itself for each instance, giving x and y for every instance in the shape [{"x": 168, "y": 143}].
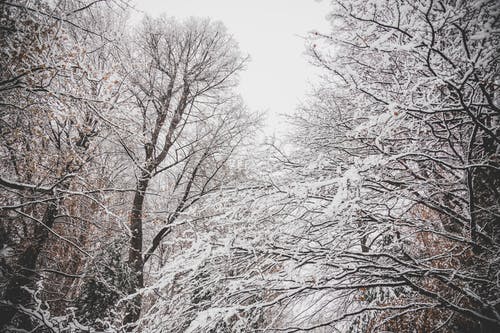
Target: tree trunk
[{"x": 135, "y": 260}]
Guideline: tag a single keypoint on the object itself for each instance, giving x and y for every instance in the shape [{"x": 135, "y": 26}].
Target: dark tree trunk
[{"x": 135, "y": 260}]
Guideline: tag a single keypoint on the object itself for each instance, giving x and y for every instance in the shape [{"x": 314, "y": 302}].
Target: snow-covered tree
[
  {"x": 384, "y": 217},
  {"x": 182, "y": 121},
  {"x": 405, "y": 127},
  {"x": 133, "y": 198},
  {"x": 49, "y": 90}
]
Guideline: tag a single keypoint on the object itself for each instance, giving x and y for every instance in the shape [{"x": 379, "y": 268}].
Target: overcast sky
[{"x": 269, "y": 31}]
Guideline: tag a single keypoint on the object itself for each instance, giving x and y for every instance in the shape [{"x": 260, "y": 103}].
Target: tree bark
[{"x": 135, "y": 260}]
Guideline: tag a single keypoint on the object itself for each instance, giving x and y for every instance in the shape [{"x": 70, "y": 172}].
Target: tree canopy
[{"x": 137, "y": 195}]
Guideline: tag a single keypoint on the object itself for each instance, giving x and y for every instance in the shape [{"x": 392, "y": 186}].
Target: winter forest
[{"x": 137, "y": 193}]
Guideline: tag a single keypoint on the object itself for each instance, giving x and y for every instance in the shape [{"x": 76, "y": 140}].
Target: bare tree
[
  {"x": 385, "y": 216},
  {"x": 48, "y": 94},
  {"x": 181, "y": 76},
  {"x": 406, "y": 123}
]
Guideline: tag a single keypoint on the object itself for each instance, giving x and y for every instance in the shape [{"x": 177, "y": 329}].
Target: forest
[{"x": 137, "y": 195}]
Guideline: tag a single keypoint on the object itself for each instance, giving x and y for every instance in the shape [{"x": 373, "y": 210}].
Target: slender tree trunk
[{"x": 135, "y": 260}]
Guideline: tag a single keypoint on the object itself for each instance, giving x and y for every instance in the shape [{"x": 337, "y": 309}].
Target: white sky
[{"x": 278, "y": 75}]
